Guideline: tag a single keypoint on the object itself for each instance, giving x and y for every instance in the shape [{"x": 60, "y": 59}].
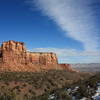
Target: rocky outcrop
[
  {"x": 13, "y": 46},
  {"x": 15, "y": 57},
  {"x": 15, "y": 52},
  {"x": 66, "y": 67}
]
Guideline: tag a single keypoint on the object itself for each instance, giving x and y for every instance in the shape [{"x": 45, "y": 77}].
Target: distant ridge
[{"x": 89, "y": 67}]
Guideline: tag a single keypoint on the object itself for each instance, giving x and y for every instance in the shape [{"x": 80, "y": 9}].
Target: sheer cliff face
[
  {"x": 15, "y": 52},
  {"x": 15, "y": 57}
]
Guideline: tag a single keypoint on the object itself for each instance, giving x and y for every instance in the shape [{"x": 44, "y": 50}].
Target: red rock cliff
[
  {"x": 15, "y": 57},
  {"x": 15, "y": 52}
]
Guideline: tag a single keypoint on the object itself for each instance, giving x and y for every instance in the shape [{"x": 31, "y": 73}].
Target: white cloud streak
[
  {"x": 72, "y": 55},
  {"x": 75, "y": 18}
]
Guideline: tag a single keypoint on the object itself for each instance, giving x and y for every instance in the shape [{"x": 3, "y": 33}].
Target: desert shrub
[
  {"x": 7, "y": 95},
  {"x": 44, "y": 97},
  {"x": 62, "y": 95}
]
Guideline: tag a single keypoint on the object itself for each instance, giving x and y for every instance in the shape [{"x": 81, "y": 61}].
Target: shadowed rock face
[
  {"x": 15, "y": 57},
  {"x": 0, "y": 55}
]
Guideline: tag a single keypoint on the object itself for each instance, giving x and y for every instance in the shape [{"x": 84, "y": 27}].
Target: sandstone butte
[{"x": 15, "y": 57}]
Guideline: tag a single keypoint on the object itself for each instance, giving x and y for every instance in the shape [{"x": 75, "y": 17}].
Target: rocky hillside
[
  {"x": 86, "y": 89},
  {"x": 31, "y": 86}
]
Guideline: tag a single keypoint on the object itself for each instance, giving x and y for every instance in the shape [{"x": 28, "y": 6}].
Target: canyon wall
[{"x": 15, "y": 57}]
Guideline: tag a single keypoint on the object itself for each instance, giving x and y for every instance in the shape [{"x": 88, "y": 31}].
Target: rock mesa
[{"x": 15, "y": 57}]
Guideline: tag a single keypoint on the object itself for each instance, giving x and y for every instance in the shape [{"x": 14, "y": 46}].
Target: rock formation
[
  {"x": 15, "y": 57},
  {"x": 66, "y": 66}
]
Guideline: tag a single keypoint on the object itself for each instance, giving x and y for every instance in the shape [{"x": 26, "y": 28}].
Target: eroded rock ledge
[{"x": 15, "y": 57}]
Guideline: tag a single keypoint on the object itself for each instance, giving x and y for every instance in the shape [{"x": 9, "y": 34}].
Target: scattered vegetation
[
  {"x": 82, "y": 89},
  {"x": 37, "y": 86}
]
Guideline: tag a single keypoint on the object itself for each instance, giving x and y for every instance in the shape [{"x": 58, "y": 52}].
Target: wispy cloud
[
  {"x": 72, "y": 55},
  {"x": 75, "y": 17}
]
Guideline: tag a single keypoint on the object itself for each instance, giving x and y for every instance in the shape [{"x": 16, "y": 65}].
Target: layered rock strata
[{"x": 15, "y": 57}]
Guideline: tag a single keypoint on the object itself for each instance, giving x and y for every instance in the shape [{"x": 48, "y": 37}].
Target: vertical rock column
[{"x": 12, "y": 51}]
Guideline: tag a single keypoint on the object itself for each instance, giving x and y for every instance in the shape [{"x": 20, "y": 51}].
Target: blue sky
[{"x": 69, "y": 29}]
